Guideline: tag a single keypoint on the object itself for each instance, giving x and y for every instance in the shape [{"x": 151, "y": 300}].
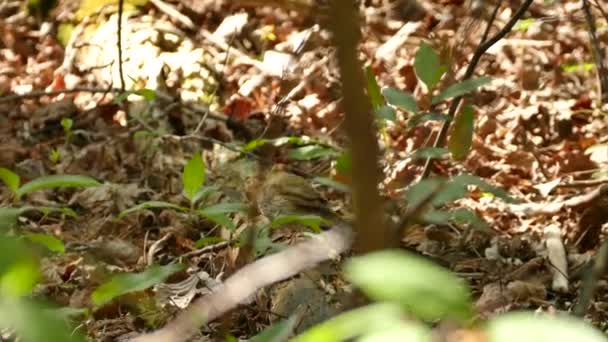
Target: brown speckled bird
[{"x": 284, "y": 193}]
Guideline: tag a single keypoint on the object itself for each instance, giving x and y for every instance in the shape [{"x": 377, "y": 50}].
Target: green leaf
[
  {"x": 531, "y": 327},
  {"x": 218, "y": 213},
  {"x": 10, "y": 179},
  {"x": 386, "y": 112},
  {"x": 193, "y": 176},
  {"x": 419, "y": 192},
  {"x": 465, "y": 216},
  {"x": 373, "y": 89},
  {"x": 400, "y": 99},
  {"x": 355, "y": 323},
  {"x": 433, "y": 116},
  {"x": 310, "y": 152},
  {"x": 56, "y": 181},
  {"x": 35, "y": 322},
  {"x": 411, "y": 332},
  {"x": 253, "y": 144},
  {"x": 277, "y": 332},
  {"x": 67, "y": 124},
  {"x": 20, "y": 278},
  {"x": 312, "y": 221},
  {"x": 147, "y": 94},
  {"x": 461, "y": 88},
  {"x": 461, "y": 135},
  {"x": 430, "y": 293},
  {"x": 223, "y": 208},
  {"x": 427, "y": 66},
  {"x": 150, "y": 205},
  {"x": 332, "y": 184},
  {"x": 131, "y": 282},
  {"x": 51, "y": 243},
  {"x": 9, "y": 216},
  {"x": 206, "y": 241},
  {"x": 467, "y": 179},
  {"x": 204, "y": 192}
]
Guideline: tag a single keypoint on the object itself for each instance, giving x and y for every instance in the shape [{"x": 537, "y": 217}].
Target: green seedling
[{"x": 196, "y": 192}]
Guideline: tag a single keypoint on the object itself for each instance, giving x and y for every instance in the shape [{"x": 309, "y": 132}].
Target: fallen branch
[
  {"x": 245, "y": 282},
  {"x": 555, "y": 207}
]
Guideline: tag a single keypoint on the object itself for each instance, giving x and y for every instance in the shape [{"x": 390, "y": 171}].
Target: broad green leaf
[
  {"x": 223, "y": 208},
  {"x": 461, "y": 133},
  {"x": 20, "y": 278},
  {"x": 465, "y": 216},
  {"x": 312, "y": 221},
  {"x": 203, "y": 192},
  {"x": 222, "y": 220},
  {"x": 13, "y": 252},
  {"x": 56, "y": 181},
  {"x": 332, "y": 184},
  {"x": 467, "y": 179},
  {"x": 410, "y": 331},
  {"x": 373, "y": 89},
  {"x": 438, "y": 217},
  {"x": 427, "y": 66},
  {"x": 429, "y": 152},
  {"x": 461, "y": 88},
  {"x": 147, "y": 94},
  {"x": 62, "y": 210},
  {"x": 355, "y": 323},
  {"x": 9, "y": 216},
  {"x": 253, "y": 144},
  {"x": 310, "y": 152},
  {"x": 531, "y": 327},
  {"x": 206, "y": 241},
  {"x": 131, "y": 282},
  {"x": 51, "y": 243},
  {"x": 218, "y": 213},
  {"x": 193, "y": 176},
  {"x": 422, "y": 287},
  {"x": 277, "y": 332},
  {"x": 10, "y": 179},
  {"x": 420, "y": 118},
  {"x": 450, "y": 192},
  {"x": 400, "y": 99},
  {"x": 150, "y": 205},
  {"x": 419, "y": 192},
  {"x": 35, "y": 322},
  {"x": 386, "y": 112}
]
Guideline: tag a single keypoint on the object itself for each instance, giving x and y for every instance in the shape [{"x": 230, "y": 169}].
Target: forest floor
[{"x": 221, "y": 77}]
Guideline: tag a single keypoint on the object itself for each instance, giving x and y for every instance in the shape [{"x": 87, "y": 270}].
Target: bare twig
[
  {"x": 121, "y": 5},
  {"x": 481, "y": 49},
  {"x": 41, "y": 93},
  {"x": 555, "y": 207},
  {"x": 598, "y": 53}
]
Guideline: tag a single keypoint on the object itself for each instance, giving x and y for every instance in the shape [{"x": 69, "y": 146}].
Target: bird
[{"x": 279, "y": 192}]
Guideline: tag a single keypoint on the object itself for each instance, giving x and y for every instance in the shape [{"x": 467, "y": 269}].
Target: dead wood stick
[{"x": 249, "y": 279}]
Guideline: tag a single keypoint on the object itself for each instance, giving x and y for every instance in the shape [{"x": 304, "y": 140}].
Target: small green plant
[
  {"x": 13, "y": 182},
  {"x": 67, "y": 124},
  {"x": 55, "y": 156},
  {"x": 429, "y": 70},
  {"x": 196, "y": 192},
  {"x": 403, "y": 284}
]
